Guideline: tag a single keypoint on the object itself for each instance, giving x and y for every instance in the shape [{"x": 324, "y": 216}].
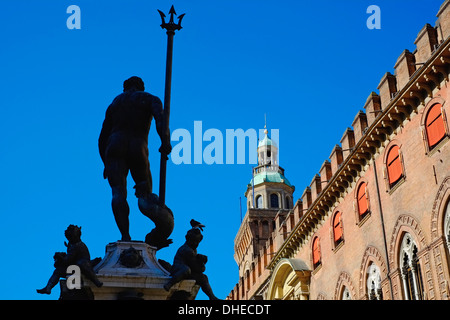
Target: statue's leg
[
  {"x": 88, "y": 271},
  {"x": 140, "y": 169},
  {"x": 182, "y": 272},
  {"x": 148, "y": 202},
  {"x": 117, "y": 178},
  {"x": 121, "y": 211},
  {"x": 53, "y": 281},
  {"x": 202, "y": 280}
]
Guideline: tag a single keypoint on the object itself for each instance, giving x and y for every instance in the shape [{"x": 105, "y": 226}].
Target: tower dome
[{"x": 269, "y": 188}]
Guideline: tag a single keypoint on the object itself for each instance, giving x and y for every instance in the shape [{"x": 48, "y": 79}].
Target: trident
[{"x": 171, "y": 27}]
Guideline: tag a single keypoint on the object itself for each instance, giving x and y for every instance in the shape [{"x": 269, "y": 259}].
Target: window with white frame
[
  {"x": 410, "y": 269},
  {"x": 374, "y": 282}
]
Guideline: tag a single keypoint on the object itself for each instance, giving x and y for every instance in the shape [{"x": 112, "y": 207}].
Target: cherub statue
[
  {"x": 77, "y": 254},
  {"x": 188, "y": 264}
]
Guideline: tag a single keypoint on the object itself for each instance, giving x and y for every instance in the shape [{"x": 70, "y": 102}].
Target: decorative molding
[
  {"x": 437, "y": 212},
  {"x": 371, "y": 255},
  {"x": 344, "y": 280}
]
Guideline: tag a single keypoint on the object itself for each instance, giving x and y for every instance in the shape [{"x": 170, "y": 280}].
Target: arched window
[
  {"x": 274, "y": 203},
  {"x": 247, "y": 276},
  {"x": 259, "y": 202},
  {"x": 410, "y": 269},
  {"x": 434, "y": 125},
  {"x": 346, "y": 294},
  {"x": 288, "y": 203},
  {"x": 337, "y": 228},
  {"x": 362, "y": 200},
  {"x": 316, "y": 253},
  {"x": 394, "y": 165},
  {"x": 374, "y": 283}
]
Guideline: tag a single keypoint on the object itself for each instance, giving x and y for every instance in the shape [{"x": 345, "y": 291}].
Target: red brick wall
[{"x": 413, "y": 198}]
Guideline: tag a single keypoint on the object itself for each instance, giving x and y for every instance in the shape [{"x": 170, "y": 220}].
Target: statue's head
[
  {"x": 133, "y": 83},
  {"x": 73, "y": 233}
]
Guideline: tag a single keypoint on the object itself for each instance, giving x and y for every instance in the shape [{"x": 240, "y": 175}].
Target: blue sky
[{"x": 308, "y": 65}]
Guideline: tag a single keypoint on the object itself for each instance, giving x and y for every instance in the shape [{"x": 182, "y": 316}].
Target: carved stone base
[{"x": 130, "y": 270}]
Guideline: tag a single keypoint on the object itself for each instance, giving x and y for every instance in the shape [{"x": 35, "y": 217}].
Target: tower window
[
  {"x": 259, "y": 203},
  {"x": 288, "y": 203},
  {"x": 434, "y": 125},
  {"x": 274, "y": 202}
]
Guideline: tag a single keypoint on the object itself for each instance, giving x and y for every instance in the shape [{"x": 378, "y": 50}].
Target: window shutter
[
  {"x": 362, "y": 199},
  {"x": 394, "y": 166},
  {"x": 316, "y": 251},
  {"x": 337, "y": 228},
  {"x": 435, "y": 125},
  {"x": 368, "y": 199}
]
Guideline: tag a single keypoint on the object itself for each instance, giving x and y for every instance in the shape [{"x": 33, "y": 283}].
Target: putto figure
[
  {"x": 188, "y": 264},
  {"x": 77, "y": 254},
  {"x": 123, "y": 146}
]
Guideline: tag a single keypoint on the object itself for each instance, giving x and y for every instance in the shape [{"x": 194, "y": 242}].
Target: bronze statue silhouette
[
  {"x": 123, "y": 147},
  {"x": 77, "y": 254},
  {"x": 188, "y": 264}
]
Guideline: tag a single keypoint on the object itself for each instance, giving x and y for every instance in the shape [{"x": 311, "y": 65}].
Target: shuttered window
[
  {"x": 363, "y": 204},
  {"x": 316, "y": 252},
  {"x": 337, "y": 227},
  {"x": 394, "y": 165},
  {"x": 435, "y": 125}
]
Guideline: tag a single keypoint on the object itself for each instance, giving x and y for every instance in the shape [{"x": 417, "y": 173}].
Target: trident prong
[{"x": 171, "y": 26}]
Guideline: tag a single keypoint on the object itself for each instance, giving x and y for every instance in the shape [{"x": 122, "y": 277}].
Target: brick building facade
[{"x": 375, "y": 221}]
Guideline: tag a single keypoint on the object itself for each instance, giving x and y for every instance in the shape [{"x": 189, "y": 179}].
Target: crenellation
[
  {"x": 347, "y": 142},
  {"x": 372, "y": 107},
  {"x": 426, "y": 42},
  {"x": 336, "y": 158},
  {"x": 359, "y": 125},
  {"x": 404, "y": 68},
  {"x": 316, "y": 187},
  {"x": 443, "y": 22},
  {"x": 325, "y": 173},
  {"x": 306, "y": 198},
  {"x": 298, "y": 209},
  {"x": 387, "y": 88}
]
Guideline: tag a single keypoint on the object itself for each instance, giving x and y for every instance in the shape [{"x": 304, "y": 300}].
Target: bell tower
[
  {"x": 269, "y": 188},
  {"x": 269, "y": 195}
]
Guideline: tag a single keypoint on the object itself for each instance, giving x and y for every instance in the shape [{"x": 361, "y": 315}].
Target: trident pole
[{"x": 171, "y": 27}]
